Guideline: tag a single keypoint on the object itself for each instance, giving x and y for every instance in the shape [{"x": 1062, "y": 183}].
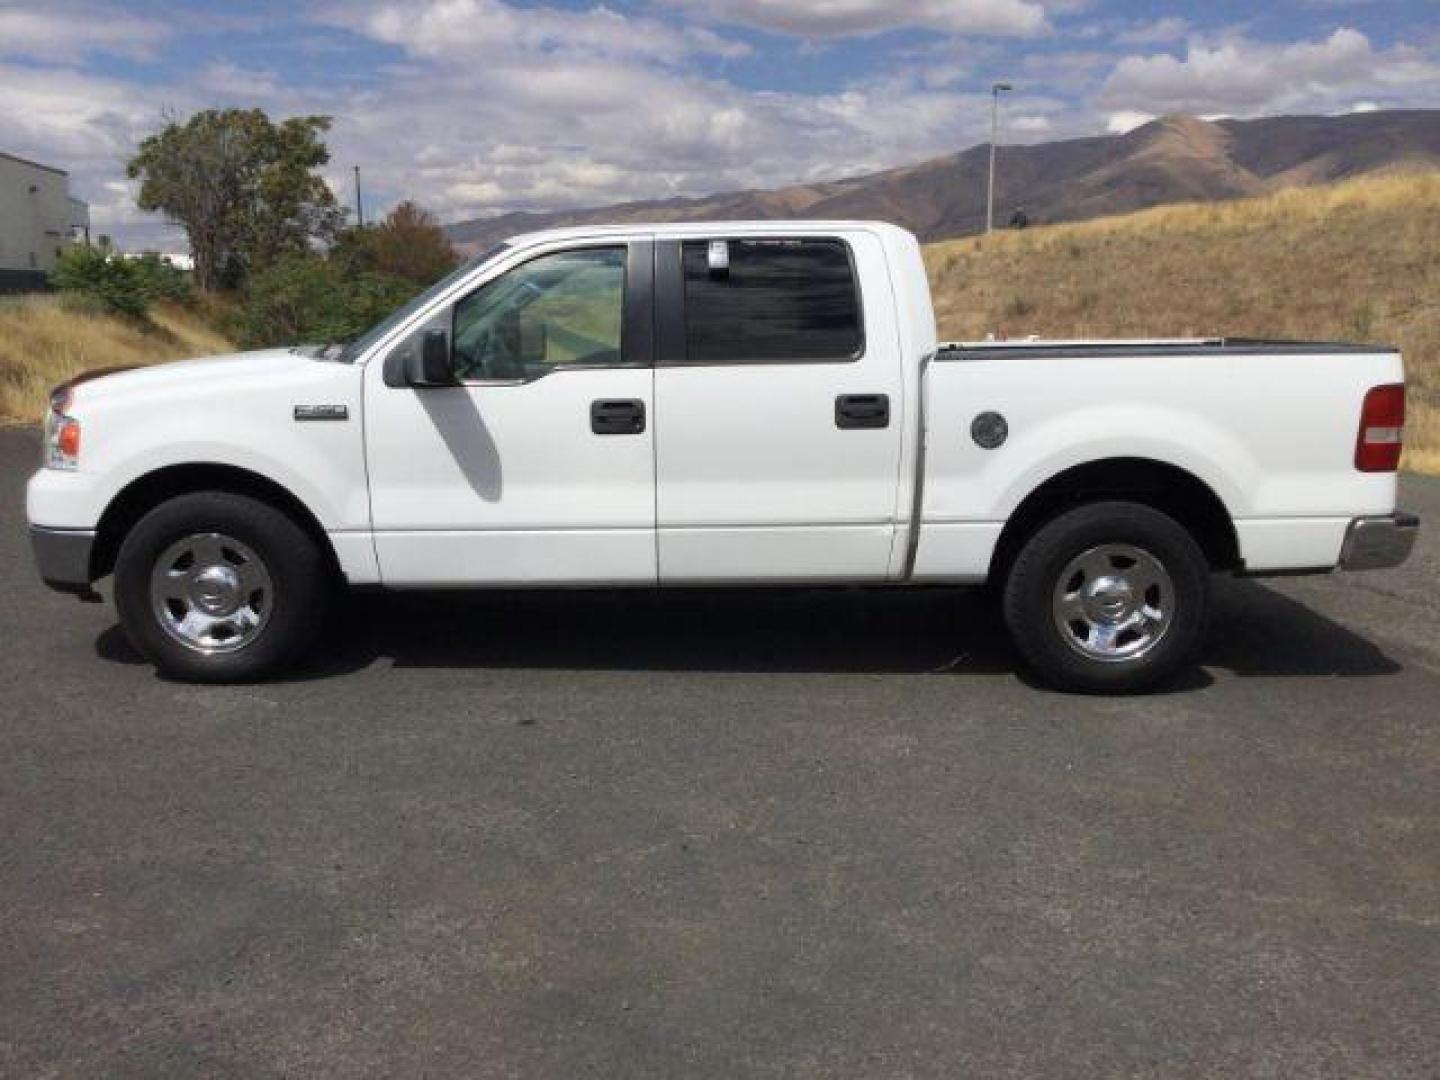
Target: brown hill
[{"x": 1176, "y": 159}]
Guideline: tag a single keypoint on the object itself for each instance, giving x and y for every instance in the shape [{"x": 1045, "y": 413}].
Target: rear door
[{"x": 778, "y": 405}]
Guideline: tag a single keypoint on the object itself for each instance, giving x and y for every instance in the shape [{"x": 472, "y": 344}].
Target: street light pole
[{"x": 995, "y": 91}]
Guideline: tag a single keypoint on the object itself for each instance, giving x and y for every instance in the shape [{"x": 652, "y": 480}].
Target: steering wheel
[{"x": 496, "y": 357}]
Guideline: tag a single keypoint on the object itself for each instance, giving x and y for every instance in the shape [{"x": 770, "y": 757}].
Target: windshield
[{"x": 355, "y": 348}]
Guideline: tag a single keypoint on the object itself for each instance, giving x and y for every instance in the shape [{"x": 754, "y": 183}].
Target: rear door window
[{"x": 770, "y": 301}]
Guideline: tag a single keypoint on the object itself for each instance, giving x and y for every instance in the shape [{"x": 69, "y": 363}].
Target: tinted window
[
  {"x": 778, "y": 300},
  {"x": 565, "y": 308}
]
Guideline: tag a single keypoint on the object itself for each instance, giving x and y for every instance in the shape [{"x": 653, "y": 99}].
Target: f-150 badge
[{"x": 322, "y": 412}]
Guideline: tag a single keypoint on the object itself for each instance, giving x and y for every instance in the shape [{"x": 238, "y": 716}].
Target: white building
[
  {"x": 179, "y": 260},
  {"x": 38, "y": 218}
]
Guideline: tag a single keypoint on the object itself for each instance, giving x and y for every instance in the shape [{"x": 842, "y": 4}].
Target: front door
[
  {"x": 779, "y": 407},
  {"x": 539, "y": 468}
]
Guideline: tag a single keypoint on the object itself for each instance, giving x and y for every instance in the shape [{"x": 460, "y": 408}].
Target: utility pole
[
  {"x": 995, "y": 91},
  {"x": 359, "y": 206}
]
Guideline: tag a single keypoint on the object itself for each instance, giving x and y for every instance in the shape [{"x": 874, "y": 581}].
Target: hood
[{"x": 235, "y": 369}]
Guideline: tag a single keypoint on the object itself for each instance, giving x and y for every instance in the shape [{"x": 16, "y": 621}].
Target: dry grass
[
  {"x": 44, "y": 341},
  {"x": 1358, "y": 261}
]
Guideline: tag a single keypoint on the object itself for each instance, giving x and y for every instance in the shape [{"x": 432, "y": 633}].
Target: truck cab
[{"x": 638, "y": 410}]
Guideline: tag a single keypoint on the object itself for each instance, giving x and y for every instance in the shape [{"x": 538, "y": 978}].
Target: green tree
[{"x": 242, "y": 187}]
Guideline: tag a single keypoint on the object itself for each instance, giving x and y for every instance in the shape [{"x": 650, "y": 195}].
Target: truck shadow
[{"x": 1257, "y": 633}]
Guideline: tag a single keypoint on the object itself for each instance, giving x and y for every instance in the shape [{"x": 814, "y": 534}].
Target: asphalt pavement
[{"x": 789, "y": 834}]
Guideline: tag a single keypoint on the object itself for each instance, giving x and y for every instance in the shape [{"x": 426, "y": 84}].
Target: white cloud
[
  {"x": 1241, "y": 77},
  {"x": 229, "y": 81},
  {"x": 1122, "y": 123},
  {"x": 860, "y": 18},
  {"x": 69, "y": 32},
  {"x": 475, "y": 31},
  {"x": 1158, "y": 32},
  {"x": 63, "y": 113}
]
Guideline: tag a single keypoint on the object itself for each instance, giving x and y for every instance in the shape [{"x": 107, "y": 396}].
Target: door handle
[
  {"x": 617, "y": 416},
  {"x": 862, "y": 411}
]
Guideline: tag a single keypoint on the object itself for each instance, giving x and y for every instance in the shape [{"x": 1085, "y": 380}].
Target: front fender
[{"x": 240, "y": 414}]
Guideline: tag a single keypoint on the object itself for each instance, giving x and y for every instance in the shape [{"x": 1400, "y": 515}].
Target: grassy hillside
[
  {"x": 1358, "y": 261},
  {"x": 44, "y": 341}
]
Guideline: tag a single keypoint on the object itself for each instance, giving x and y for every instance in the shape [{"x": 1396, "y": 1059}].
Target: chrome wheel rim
[
  {"x": 211, "y": 593},
  {"x": 1114, "y": 603}
]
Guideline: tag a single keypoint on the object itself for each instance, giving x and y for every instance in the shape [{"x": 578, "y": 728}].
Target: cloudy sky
[{"x": 474, "y": 107}]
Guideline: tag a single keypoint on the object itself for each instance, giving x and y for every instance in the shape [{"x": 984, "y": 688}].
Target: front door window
[{"x": 565, "y": 308}]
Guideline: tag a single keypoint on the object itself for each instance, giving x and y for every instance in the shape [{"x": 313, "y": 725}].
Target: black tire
[
  {"x": 295, "y": 605},
  {"x": 1030, "y": 598}
]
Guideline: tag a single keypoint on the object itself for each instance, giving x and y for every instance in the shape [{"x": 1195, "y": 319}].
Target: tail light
[{"x": 1382, "y": 429}]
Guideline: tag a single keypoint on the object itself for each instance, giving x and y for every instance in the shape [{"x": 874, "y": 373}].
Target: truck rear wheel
[
  {"x": 1109, "y": 597},
  {"x": 219, "y": 587}
]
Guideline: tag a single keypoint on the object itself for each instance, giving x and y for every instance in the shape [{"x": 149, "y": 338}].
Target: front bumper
[
  {"x": 63, "y": 557},
  {"x": 1376, "y": 543}
]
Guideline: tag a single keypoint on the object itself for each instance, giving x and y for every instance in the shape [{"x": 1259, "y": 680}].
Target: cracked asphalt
[{"x": 793, "y": 834}]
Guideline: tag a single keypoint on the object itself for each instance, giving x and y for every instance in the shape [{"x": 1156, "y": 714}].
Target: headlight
[{"x": 62, "y": 435}]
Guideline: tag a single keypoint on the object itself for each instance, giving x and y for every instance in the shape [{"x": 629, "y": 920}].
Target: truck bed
[{"x": 1268, "y": 426}]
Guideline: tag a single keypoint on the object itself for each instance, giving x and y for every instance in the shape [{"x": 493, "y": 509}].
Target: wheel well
[
  {"x": 141, "y": 496},
  {"x": 1166, "y": 488}
]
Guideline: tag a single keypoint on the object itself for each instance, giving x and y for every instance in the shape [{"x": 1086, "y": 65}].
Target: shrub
[
  {"x": 103, "y": 277},
  {"x": 307, "y": 298},
  {"x": 159, "y": 279}
]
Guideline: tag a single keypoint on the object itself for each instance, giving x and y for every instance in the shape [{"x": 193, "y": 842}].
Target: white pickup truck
[{"x": 739, "y": 404}]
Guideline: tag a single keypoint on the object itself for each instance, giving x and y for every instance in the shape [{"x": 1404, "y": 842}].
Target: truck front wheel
[
  {"x": 219, "y": 587},
  {"x": 1108, "y": 597}
]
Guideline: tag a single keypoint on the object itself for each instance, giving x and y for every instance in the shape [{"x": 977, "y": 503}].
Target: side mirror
[{"x": 431, "y": 364}]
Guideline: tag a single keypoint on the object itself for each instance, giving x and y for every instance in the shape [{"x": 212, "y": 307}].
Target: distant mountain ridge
[{"x": 1174, "y": 159}]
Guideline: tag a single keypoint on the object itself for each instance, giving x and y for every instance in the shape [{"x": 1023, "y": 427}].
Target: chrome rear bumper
[{"x": 1376, "y": 543}]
